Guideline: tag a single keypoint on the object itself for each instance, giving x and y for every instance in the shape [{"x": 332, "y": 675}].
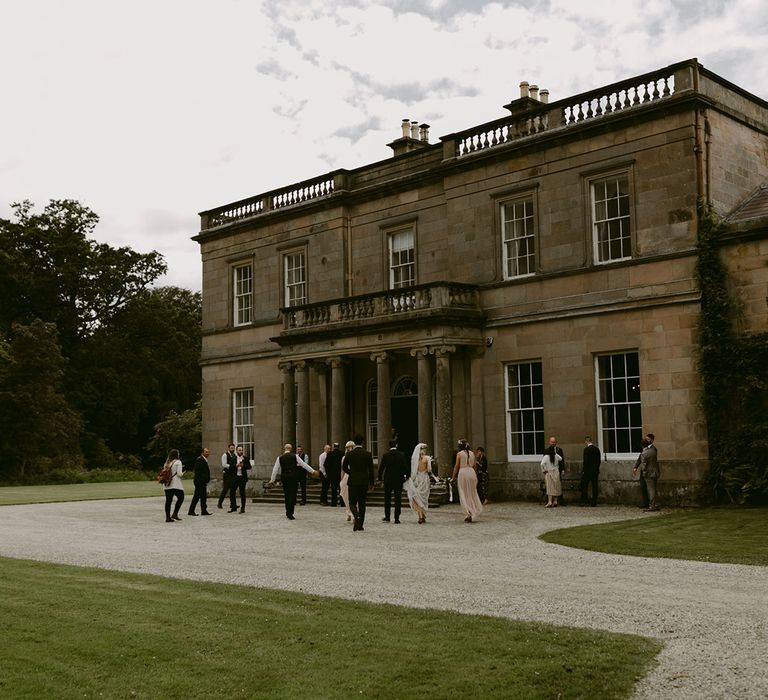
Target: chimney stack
[
  {"x": 524, "y": 89},
  {"x": 406, "y": 126},
  {"x": 415, "y": 130},
  {"x": 534, "y": 92},
  {"x": 424, "y": 132},
  {"x": 544, "y": 95}
]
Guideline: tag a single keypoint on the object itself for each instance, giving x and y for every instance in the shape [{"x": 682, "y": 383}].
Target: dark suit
[
  {"x": 394, "y": 470},
  {"x": 359, "y": 465},
  {"x": 590, "y": 470},
  {"x": 201, "y": 479},
  {"x": 289, "y": 476},
  {"x": 303, "y": 479},
  {"x": 333, "y": 470},
  {"x": 239, "y": 484}
]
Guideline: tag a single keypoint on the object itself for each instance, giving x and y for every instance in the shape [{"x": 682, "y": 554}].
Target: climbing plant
[{"x": 734, "y": 372}]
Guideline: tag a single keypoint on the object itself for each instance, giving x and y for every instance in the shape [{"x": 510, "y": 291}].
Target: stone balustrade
[{"x": 382, "y": 305}]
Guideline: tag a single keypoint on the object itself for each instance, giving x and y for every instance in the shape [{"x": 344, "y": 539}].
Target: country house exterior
[{"x": 527, "y": 277}]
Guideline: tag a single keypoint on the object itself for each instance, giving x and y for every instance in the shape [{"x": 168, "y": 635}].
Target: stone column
[
  {"x": 303, "y": 427},
  {"x": 476, "y": 403},
  {"x": 383, "y": 402},
  {"x": 339, "y": 425},
  {"x": 424, "y": 378},
  {"x": 444, "y": 439},
  {"x": 289, "y": 403}
]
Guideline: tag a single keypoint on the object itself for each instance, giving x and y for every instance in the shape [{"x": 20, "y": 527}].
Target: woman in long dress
[
  {"x": 344, "y": 483},
  {"x": 551, "y": 470},
  {"x": 417, "y": 487},
  {"x": 465, "y": 475}
]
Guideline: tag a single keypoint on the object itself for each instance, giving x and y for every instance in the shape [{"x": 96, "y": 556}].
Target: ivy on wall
[{"x": 734, "y": 372}]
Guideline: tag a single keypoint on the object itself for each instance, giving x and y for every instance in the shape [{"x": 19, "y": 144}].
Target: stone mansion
[{"x": 527, "y": 277}]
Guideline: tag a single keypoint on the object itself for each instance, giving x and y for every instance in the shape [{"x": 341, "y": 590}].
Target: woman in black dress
[{"x": 482, "y": 475}]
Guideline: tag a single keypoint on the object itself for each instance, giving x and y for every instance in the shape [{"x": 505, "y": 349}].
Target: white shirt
[
  {"x": 224, "y": 463},
  {"x": 299, "y": 461},
  {"x": 547, "y": 466},
  {"x": 321, "y": 462}
]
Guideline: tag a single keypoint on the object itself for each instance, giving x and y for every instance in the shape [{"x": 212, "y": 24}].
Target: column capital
[
  {"x": 421, "y": 352},
  {"x": 301, "y": 365},
  {"x": 380, "y": 357},
  {"x": 286, "y": 366},
  {"x": 445, "y": 350},
  {"x": 336, "y": 361}
]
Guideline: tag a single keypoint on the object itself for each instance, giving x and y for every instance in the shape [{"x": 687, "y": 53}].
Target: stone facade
[{"x": 310, "y": 333}]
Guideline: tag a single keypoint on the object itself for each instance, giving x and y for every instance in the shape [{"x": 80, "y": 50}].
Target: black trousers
[
  {"x": 290, "y": 486},
  {"x": 226, "y": 485},
  {"x": 324, "y": 490},
  {"x": 588, "y": 478},
  {"x": 238, "y": 485},
  {"x": 169, "y": 494},
  {"x": 201, "y": 495},
  {"x": 333, "y": 484},
  {"x": 357, "y": 498},
  {"x": 303, "y": 484},
  {"x": 389, "y": 490}
]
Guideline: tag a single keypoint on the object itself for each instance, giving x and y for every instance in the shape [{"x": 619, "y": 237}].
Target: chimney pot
[
  {"x": 424, "y": 132},
  {"x": 534, "y": 92},
  {"x": 544, "y": 95},
  {"x": 524, "y": 89},
  {"x": 415, "y": 130},
  {"x": 406, "y": 127}
]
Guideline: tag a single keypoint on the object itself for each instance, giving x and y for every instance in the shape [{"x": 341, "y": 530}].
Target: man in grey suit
[{"x": 648, "y": 465}]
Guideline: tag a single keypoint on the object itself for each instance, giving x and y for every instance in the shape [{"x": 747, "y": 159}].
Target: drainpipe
[
  {"x": 698, "y": 146},
  {"x": 348, "y": 237}
]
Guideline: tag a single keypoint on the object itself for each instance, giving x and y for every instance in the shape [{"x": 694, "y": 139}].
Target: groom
[
  {"x": 359, "y": 465},
  {"x": 395, "y": 470}
]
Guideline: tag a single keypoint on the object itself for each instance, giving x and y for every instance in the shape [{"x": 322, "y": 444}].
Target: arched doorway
[{"x": 405, "y": 413}]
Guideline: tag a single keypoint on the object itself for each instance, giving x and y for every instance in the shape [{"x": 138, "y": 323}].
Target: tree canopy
[{"x": 92, "y": 355}]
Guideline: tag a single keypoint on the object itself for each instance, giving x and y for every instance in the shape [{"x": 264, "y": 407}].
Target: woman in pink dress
[{"x": 465, "y": 475}]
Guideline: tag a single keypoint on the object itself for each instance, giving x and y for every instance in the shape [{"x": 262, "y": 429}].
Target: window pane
[
  {"x": 525, "y": 413},
  {"x": 619, "y": 407},
  {"x": 611, "y": 219},
  {"x": 518, "y": 237}
]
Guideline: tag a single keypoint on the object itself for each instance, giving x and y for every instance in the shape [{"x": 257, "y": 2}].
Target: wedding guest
[
  {"x": 590, "y": 471},
  {"x": 288, "y": 465},
  {"x": 176, "y": 488},
  {"x": 323, "y": 474},
  {"x": 481, "y": 462},
  {"x": 202, "y": 477},
  {"x": 242, "y": 467},
  {"x": 333, "y": 471},
  {"x": 465, "y": 476},
  {"x": 302, "y": 475},
  {"x": 394, "y": 471},
  {"x": 228, "y": 462},
  {"x": 344, "y": 481},
  {"x": 550, "y": 467},
  {"x": 358, "y": 463},
  {"x": 418, "y": 486}
]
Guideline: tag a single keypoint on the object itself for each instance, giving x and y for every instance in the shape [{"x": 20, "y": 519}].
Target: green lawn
[
  {"x": 70, "y": 632},
  {"x": 728, "y": 535},
  {"x": 17, "y": 495}
]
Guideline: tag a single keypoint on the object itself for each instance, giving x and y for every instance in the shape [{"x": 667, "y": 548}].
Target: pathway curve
[{"x": 712, "y": 618}]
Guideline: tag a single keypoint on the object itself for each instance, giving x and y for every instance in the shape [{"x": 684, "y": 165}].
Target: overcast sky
[{"x": 150, "y": 111}]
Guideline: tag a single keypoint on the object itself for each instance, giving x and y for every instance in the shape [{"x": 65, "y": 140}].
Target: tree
[
  {"x": 53, "y": 271},
  {"x": 38, "y": 429},
  {"x": 183, "y": 432}
]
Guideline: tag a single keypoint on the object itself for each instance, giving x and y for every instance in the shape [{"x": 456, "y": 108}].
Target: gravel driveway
[{"x": 712, "y": 618}]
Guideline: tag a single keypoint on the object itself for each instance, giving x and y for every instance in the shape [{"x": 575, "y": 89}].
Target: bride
[{"x": 417, "y": 487}]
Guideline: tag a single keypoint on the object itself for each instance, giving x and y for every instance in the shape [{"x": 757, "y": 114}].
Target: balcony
[{"x": 439, "y": 303}]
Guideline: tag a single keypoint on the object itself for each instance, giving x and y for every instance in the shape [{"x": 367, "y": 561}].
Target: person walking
[
  {"x": 481, "y": 463},
  {"x": 333, "y": 472},
  {"x": 550, "y": 467},
  {"x": 302, "y": 475},
  {"x": 648, "y": 465},
  {"x": 418, "y": 486},
  {"x": 394, "y": 471},
  {"x": 176, "y": 488},
  {"x": 590, "y": 471},
  {"x": 465, "y": 476},
  {"x": 344, "y": 481},
  {"x": 242, "y": 467},
  {"x": 323, "y": 474},
  {"x": 202, "y": 477},
  {"x": 359, "y": 465},
  {"x": 228, "y": 464},
  {"x": 288, "y": 466}
]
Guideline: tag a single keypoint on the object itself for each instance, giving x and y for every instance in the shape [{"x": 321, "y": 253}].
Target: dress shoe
[
  {"x": 194, "y": 515},
  {"x": 175, "y": 517},
  {"x": 361, "y": 529},
  {"x": 385, "y": 520},
  {"x": 242, "y": 510},
  {"x": 291, "y": 517},
  {"x": 397, "y": 522},
  {"x": 206, "y": 513},
  {"x": 220, "y": 506},
  {"x": 232, "y": 510},
  {"x": 169, "y": 520}
]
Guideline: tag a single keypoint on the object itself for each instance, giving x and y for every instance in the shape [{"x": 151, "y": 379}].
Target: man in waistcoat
[
  {"x": 288, "y": 466},
  {"x": 358, "y": 463},
  {"x": 393, "y": 470},
  {"x": 202, "y": 477},
  {"x": 333, "y": 472},
  {"x": 242, "y": 467},
  {"x": 228, "y": 461}
]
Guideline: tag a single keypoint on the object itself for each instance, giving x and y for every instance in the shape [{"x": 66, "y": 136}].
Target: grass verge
[
  {"x": 729, "y": 535},
  {"x": 19, "y": 495},
  {"x": 74, "y": 632}
]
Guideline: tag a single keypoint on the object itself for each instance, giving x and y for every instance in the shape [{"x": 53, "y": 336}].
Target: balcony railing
[
  {"x": 587, "y": 106},
  {"x": 390, "y": 304}
]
